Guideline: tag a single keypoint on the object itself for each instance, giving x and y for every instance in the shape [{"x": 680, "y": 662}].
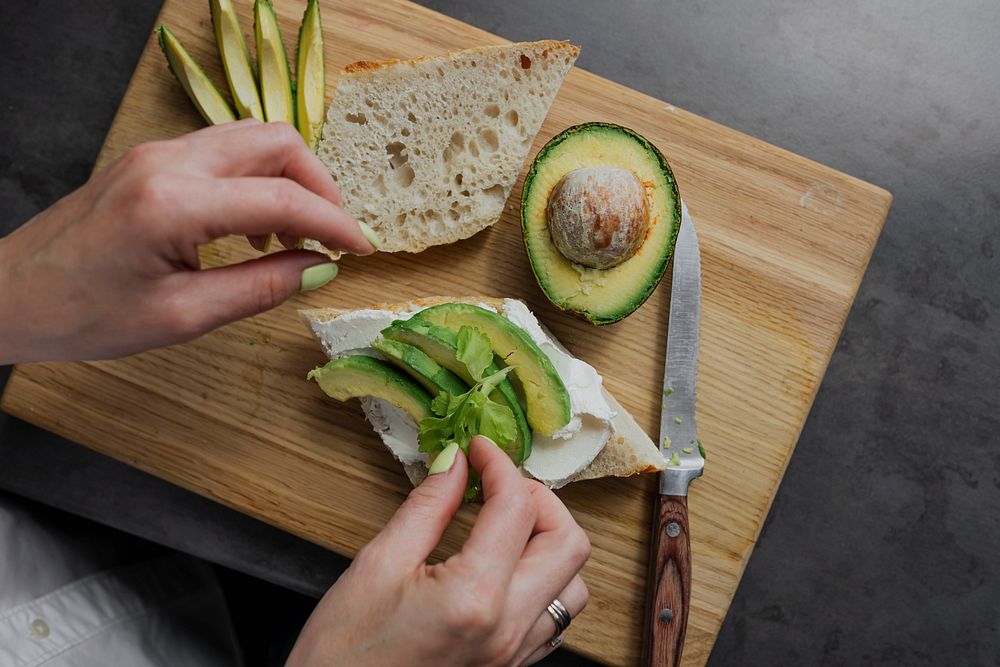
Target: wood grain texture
[
  {"x": 784, "y": 243},
  {"x": 669, "y": 590}
]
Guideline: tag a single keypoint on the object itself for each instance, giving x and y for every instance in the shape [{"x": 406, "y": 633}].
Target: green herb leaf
[
  {"x": 441, "y": 403},
  {"x": 497, "y": 423},
  {"x": 473, "y": 413},
  {"x": 475, "y": 351},
  {"x": 490, "y": 383},
  {"x": 435, "y": 433}
]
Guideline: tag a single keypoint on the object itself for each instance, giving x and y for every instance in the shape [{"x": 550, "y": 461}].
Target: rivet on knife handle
[{"x": 670, "y": 584}]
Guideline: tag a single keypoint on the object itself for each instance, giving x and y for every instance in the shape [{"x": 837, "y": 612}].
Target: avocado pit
[{"x": 598, "y": 216}]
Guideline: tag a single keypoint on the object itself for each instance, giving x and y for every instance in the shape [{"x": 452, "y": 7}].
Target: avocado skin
[
  {"x": 633, "y": 301},
  {"x": 551, "y": 410},
  {"x": 426, "y": 337},
  {"x": 360, "y": 375}
]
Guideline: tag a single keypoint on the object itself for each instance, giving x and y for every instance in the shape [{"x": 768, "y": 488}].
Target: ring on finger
[{"x": 560, "y": 616}]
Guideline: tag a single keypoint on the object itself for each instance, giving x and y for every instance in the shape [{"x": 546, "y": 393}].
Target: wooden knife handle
[{"x": 669, "y": 584}]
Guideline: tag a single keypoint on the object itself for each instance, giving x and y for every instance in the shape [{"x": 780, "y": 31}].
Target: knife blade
[{"x": 669, "y": 591}]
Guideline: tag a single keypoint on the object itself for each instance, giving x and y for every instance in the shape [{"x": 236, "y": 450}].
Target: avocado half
[{"x": 607, "y": 295}]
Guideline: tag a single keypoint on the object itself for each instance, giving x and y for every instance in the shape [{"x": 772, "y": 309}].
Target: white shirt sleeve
[{"x": 65, "y": 601}]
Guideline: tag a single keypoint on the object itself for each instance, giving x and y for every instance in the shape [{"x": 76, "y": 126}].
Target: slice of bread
[
  {"x": 628, "y": 452},
  {"x": 426, "y": 151}
]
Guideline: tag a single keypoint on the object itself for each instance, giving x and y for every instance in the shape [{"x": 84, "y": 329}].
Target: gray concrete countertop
[{"x": 882, "y": 544}]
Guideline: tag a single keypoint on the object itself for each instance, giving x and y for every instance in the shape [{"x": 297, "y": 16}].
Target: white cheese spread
[{"x": 554, "y": 460}]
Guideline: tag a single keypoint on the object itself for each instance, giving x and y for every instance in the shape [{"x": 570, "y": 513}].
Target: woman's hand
[
  {"x": 483, "y": 606},
  {"x": 113, "y": 268}
]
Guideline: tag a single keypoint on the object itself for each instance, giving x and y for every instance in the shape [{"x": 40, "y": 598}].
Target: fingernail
[
  {"x": 483, "y": 437},
  {"x": 444, "y": 460},
  {"x": 316, "y": 276},
  {"x": 370, "y": 235}
]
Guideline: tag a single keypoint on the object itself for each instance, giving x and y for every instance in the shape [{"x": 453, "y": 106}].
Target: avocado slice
[
  {"x": 310, "y": 76},
  {"x": 272, "y": 65},
  {"x": 199, "y": 88},
  {"x": 609, "y": 294},
  {"x": 415, "y": 362},
  {"x": 441, "y": 345},
  {"x": 236, "y": 59},
  {"x": 356, "y": 376},
  {"x": 545, "y": 396}
]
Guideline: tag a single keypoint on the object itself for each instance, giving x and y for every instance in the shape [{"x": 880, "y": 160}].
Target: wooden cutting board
[{"x": 784, "y": 244}]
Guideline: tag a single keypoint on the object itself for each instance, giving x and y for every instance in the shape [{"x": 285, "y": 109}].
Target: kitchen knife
[{"x": 670, "y": 558}]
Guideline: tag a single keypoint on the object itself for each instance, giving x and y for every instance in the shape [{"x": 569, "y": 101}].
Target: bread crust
[{"x": 548, "y": 46}]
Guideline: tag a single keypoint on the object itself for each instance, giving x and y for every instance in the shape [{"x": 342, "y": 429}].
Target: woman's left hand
[{"x": 486, "y": 605}]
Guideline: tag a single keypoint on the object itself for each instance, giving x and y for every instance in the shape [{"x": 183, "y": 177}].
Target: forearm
[{"x": 10, "y": 351}]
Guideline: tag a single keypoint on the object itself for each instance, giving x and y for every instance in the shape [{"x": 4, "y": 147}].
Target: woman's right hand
[{"x": 486, "y": 605}]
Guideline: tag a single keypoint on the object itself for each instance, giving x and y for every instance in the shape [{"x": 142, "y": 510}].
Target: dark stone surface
[{"x": 882, "y": 544}]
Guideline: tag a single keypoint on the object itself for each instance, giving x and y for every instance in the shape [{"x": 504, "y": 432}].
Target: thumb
[
  {"x": 229, "y": 293},
  {"x": 417, "y": 526}
]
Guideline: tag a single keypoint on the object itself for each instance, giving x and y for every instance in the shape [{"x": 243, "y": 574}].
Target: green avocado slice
[
  {"x": 199, "y": 88},
  {"x": 236, "y": 59},
  {"x": 359, "y": 375},
  {"x": 272, "y": 65},
  {"x": 441, "y": 345},
  {"x": 310, "y": 77},
  {"x": 415, "y": 362},
  {"x": 545, "y": 396},
  {"x": 605, "y": 295}
]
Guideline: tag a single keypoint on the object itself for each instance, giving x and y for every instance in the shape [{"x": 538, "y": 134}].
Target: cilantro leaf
[
  {"x": 497, "y": 423},
  {"x": 441, "y": 403},
  {"x": 435, "y": 433},
  {"x": 462, "y": 417},
  {"x": 475, "y": 351}
]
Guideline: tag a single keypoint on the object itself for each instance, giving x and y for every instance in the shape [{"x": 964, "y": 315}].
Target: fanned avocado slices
[
  {"x": 199, "y": 88},
  {"x": 545, "y": 396},
  {"x": 441, "y": 345},
  {"x": 236, "y": 59},
  {"x": 272, "y": 65}
]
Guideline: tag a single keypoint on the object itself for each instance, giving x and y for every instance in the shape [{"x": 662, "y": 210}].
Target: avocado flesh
[
  {"x": 199, "y": 88},
  {"x": 310, "y": 77},
  {"x": 236, "y": 59},
  {"x": 418, "y": 365},
  {"x": 359, "y": 375},
  {"x": 272, "y": 65},
  {"x": 546, "y": 400},
  {"x": 601, "y": 295},
  {"x": 441, "y": 345}
]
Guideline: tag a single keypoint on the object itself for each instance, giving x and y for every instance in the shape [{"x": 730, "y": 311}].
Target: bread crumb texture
[{"x": 427, "y": 151}]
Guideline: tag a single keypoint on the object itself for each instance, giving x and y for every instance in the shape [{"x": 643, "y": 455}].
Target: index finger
[
  {"x": 507, "y": 518},
  {"x": 263, "y": 149}
]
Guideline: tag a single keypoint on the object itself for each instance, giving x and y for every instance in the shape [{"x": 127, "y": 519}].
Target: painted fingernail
[
  {"x": 370, "y": 235},
  {"x": 445, "y": 460},
  {"x": 316, "y": 276}
]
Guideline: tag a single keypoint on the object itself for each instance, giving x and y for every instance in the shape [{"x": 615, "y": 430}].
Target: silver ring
[{"x": 560, "y": 615}]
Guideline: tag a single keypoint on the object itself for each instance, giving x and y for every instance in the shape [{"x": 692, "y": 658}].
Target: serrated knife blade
[{"x": 669, "y": 591}]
